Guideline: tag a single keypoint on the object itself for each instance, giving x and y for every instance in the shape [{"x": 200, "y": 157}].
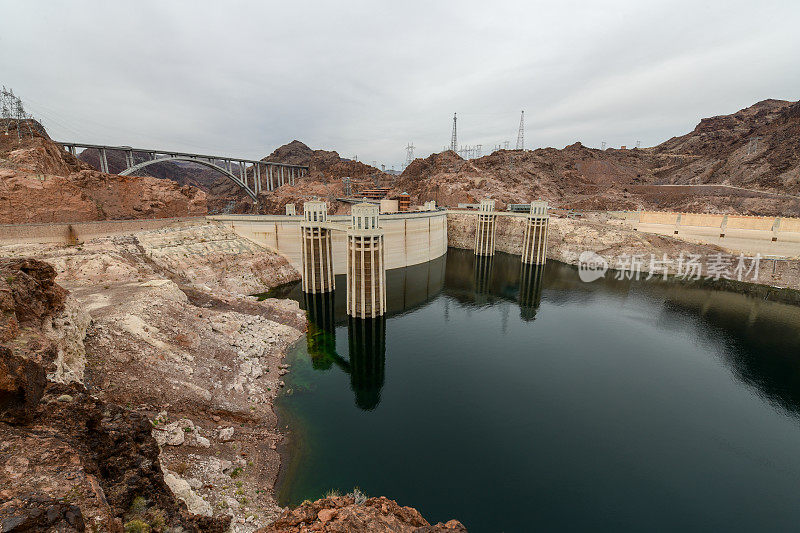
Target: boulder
[
  {"x": 348, "y": 513},
  {"x": 22, "y": 383}
]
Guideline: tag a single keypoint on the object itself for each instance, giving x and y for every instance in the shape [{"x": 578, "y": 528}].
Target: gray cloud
[{"x": 242, "y": 78}]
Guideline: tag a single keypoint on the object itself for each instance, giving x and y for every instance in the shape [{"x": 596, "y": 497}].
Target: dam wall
[
  {"x": 756, "y": 227},
  {"x": 75, "y": 232},
  {"x": 409, "y": 238}
]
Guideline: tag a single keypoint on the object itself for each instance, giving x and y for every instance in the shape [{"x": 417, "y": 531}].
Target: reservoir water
[{"x": 517, "y": 400}]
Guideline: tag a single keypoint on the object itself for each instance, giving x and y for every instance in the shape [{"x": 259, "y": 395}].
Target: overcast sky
[{"x": 365, "y": 78}]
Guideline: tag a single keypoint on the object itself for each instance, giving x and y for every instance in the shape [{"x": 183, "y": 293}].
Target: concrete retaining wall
[
  {"x": 409, "y": 238},
  {"x": 790, "y": 225},
  {"x": 756, "y": 224},
  {"x": 701, "y": 220},
  {"x": 69, "y": 233},
  {"x": 656, "y": 217}
]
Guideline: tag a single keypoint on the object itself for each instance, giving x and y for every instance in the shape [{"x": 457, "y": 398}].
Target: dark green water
[{"x": 527, "y": 400}]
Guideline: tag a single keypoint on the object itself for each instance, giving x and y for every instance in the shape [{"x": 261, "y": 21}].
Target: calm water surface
[{"x": 519, "y": 400}]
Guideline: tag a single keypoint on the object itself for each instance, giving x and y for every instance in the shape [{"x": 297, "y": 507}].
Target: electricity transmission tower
[
  {"x": 12, "y": 109},
  {"x": 603, "y": 146},
  {"x": 454, "y": 138},
  {"x": 521, "y": 134},
  {"x": 5, "y": 107},
  {"x": 470, "y": 152},
  {"x": 409, "y": 153}
]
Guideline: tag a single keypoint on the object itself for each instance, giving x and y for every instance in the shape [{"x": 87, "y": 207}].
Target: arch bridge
[{"x": 260, "y": 176}]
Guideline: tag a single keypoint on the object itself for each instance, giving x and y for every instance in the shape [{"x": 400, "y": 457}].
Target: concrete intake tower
[
  {"x": 485, "y": 230},
  {"x": 534, "y": 247},
  {"x": 318, "y": 276},
  {"x": 366, "y": 270}
]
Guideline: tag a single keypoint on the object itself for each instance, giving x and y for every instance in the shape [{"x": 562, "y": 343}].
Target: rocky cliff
[
  {"x": 142, "y": 399},
  {"x": 324, "y": 180},
  {"x": 68, "y": 460},
  {"x": 748, "y": 162},
  {"x": 40, "y": 182}
]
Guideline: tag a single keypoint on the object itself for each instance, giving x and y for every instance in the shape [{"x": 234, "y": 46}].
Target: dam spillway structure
[
  {"x": 485, "y": 230},
  {"x": 366, "y": 269},
  {"x": 534, "y": 246},
  {"x": 317, "y": 271}
]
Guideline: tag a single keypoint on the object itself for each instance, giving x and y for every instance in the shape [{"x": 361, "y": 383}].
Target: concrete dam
[
  {"x": 409, "y": 238},
  {"x": 367, "y": 243}
]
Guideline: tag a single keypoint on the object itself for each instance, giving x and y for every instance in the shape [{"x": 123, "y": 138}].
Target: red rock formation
[
  {"x": 40, "y": 182},
  {"x": 68, "y": 461},
  {"x": 324, "y": 179},
  {"x": 343, "y": 514},
  {"x": 683, "y": 173}
]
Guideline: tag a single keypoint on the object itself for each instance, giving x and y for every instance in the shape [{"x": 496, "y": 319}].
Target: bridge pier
[
  {"x": 485, "y": 230},
  {"x": 103, "y": 161},
  {"x": 317, "y": 269},
  {"x": 534, "y": 247},
  {"x": 253, "y": 184},
  {"x": 366, "y": 272}
]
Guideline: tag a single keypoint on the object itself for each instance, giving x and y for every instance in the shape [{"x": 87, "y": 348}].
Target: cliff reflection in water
[{"x": 762, "y": 338}]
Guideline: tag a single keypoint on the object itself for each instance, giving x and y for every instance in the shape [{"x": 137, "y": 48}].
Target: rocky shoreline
[
  {"x": 568, "y": 238},
  {"x": 147, "y": 377},
  {"x": 158, "y": 328}
]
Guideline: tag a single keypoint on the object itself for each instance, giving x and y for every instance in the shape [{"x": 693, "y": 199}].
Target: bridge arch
[{"x": 130, "y": 170}]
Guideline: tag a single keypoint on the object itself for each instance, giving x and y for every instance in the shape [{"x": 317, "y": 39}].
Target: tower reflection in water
[
  {"x": 366, "y": 343},
  {"x": 367, "y": 340},
  {"x": 530, "y": 290},
  {"x": 321, "y": 336},
  {"x": 484, "y": 265}
]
